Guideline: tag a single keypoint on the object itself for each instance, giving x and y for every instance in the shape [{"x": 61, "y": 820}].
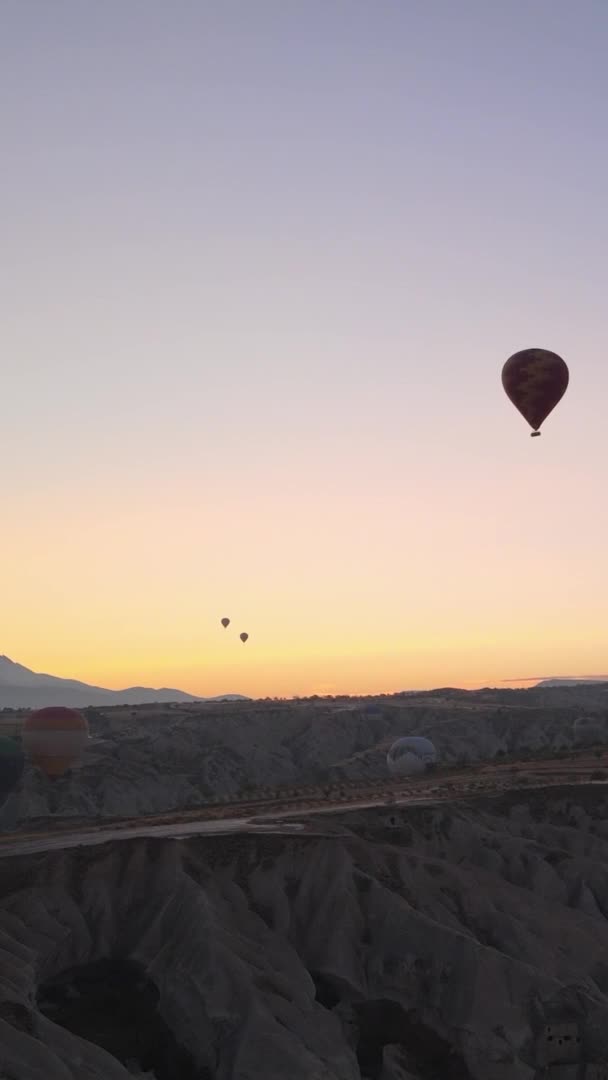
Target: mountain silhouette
[{"x": 22, "y": 688}]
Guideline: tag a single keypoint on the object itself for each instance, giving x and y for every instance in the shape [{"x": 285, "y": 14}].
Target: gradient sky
[{"x": 262, "y": 263}]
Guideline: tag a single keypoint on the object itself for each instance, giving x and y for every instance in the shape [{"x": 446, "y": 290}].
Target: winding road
[{"x": 276, "y": 814}]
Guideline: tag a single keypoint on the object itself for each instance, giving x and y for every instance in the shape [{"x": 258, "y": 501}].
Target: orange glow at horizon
[
  {"x": 398, "y": 598},
  {"x": 123, "y": 602}
]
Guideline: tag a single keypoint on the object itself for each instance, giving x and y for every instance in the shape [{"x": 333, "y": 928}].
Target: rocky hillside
[
  {"x": 427, "y": 945},
  {"x": 149, "y": 762}
]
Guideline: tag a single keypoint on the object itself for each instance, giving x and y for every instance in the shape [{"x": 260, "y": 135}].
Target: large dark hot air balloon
[
  {"x": 535, "y": 380},
  {"x": 55, "y": 739},
  {"x": 243, "y": 637},
  {"x": 12, "y": 762},
  {"x": 225, "y": 623}
]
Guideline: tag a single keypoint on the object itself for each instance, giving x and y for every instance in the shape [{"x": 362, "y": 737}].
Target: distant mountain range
[
  {"x": 22, "y": 688},
  {"x": 574, "y": 681},
  {"x": 561, "y": 680}
]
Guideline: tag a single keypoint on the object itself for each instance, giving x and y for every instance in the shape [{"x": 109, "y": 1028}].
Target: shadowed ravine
[{"x": 114, "y": 1004}]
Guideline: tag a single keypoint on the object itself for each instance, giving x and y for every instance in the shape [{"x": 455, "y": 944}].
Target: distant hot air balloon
[
  {"x": 55, "y": 739},
  {"x": 243, "y": 637},
  {"x": 410, "y": 755},
  {"x": 225, "y": 623},
  {"x": 535, "y": 380},
  {"x": 12, "y": 763}
]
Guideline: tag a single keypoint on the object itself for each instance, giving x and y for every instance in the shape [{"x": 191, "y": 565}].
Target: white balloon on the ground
[{"x": 411, "y": 755}]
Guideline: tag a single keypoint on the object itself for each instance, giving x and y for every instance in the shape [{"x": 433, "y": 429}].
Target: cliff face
[{"x": 406, "y": 944}]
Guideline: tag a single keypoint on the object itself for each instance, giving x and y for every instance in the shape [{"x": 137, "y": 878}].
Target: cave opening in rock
[
  {"x": 386, "y": 1023},
  {"x": 112, "y": 1003},
  {"x": 326, "y": 992}
]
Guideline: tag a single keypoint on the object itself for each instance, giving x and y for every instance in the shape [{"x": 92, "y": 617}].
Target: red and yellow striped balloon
[{"x": 55, "y": 739}]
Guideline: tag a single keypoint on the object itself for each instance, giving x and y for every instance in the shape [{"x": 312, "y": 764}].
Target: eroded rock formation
[
  {"x": 166, "y": 761},
  {"x": 435, "y": 946}
]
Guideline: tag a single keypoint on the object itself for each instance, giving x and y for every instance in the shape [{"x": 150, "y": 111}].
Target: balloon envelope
[
  {"x": 411, "y": 755},
  {"x": 243, "y": 637},
  {"x": 225, "y": 623},
  {"x": 535, "y": 380},
  {"x": 12, "y": 763},
  {"x": 55, "y": 739}
]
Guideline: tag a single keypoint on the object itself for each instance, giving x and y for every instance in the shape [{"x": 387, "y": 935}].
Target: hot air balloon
[
  {"x": 55, "y": 739},
  {"x": 411, "y": 755},
  {"x": 12, "y": 763},
  {"x": 225, "y": 623},
  {"x": 535, "y": 380},
  {"x": 243, "y": 637}
]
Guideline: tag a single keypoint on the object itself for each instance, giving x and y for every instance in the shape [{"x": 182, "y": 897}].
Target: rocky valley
[
  {"x": 465, "y": 940},
  {"x": 411, "y": 944},
  {"x": 155, "y": 759}
]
